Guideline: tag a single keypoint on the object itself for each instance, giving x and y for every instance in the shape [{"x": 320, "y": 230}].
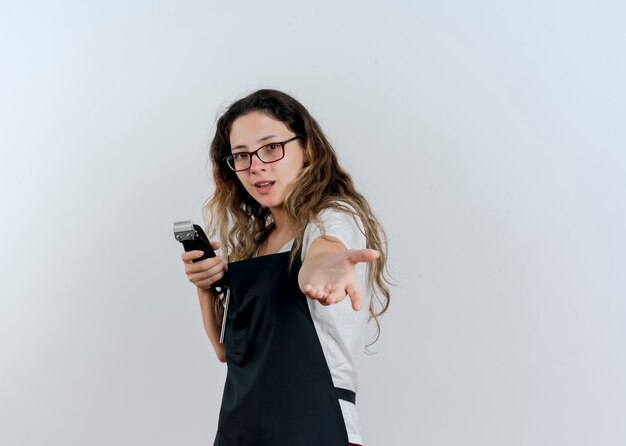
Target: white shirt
[{"x": 340, "y": 329}]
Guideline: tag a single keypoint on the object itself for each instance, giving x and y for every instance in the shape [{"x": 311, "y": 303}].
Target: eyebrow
[{"x": 243, "y": 146}]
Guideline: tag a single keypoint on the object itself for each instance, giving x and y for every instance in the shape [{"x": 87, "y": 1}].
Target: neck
[
  {"x": 282, "y": 223},
  {"x": 280, "y": 234}
]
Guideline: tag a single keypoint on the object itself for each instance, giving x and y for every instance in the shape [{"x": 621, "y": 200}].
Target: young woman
[{"x": 307, "y": 272}]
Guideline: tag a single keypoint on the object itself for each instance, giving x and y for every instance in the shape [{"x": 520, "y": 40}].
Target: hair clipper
[{"x": 193, "y": 238}]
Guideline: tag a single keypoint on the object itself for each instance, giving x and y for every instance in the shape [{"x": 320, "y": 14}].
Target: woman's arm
[
  {"x": 328, "y": 271},
  {"x": 203, "y": 274},
  {"x": 206, "y": 299}
]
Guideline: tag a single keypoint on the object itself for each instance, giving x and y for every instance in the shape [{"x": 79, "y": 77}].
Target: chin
[
  {"x": 270, "y": 203},
  {"x": 263, "y": 201}
]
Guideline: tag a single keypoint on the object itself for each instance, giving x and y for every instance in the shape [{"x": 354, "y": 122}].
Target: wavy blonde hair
[{"x": 241, "y": 223}]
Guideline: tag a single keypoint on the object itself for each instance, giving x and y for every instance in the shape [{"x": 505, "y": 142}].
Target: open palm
[{"x": 335, "y": 277}]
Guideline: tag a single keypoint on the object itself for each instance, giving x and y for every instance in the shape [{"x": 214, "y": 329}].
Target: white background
[{"x": 488, "y": 136}]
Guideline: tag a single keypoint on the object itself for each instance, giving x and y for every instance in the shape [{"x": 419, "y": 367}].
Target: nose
[{"x": 256, "y": 164}]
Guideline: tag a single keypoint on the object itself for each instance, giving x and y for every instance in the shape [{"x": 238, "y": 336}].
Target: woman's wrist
[{"x": 208, "y": 293}]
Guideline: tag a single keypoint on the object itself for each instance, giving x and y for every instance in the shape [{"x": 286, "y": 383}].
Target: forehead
[{"x": 249, "y": 129}]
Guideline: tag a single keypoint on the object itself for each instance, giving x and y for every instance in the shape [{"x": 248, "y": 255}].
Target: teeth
[{"x": 263, "y": 184}]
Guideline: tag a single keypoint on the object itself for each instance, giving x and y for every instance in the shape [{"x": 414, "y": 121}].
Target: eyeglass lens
[{"x": 268, "y": 154}]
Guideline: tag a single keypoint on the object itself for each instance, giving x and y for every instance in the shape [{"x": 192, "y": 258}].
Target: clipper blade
[{"x": 184, "y": 230}]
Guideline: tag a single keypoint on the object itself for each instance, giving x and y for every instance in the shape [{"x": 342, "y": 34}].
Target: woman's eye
[
  {"x": 240, "y": 156},
  {"x": 271, "y": 147}
]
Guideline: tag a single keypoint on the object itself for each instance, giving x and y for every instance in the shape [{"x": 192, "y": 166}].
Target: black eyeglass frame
[{"x": 256, "y": 152}]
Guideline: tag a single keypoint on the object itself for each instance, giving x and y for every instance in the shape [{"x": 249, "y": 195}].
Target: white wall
[{"x": 489, "y": 137}]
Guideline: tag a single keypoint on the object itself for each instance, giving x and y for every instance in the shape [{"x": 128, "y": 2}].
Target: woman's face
[{"x": 267, "y": 183}]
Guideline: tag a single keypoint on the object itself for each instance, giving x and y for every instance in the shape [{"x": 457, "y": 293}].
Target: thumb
[
  {"x": 362, "y": 255},
  {"x": 216, "y": 245}
]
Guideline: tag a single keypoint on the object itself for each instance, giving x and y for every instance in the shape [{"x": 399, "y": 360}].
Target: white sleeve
[
  {"x": 341, "y": 330},
  {"x": 335, "y": 223}
]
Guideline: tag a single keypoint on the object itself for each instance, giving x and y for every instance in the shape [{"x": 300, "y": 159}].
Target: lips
[{"x": 264, "y": 187}]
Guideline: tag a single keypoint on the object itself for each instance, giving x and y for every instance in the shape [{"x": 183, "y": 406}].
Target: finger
[
  {"x": 207, "y": 283},
  {"x": 213, "y": 268},
  {"x": 316, "y": 294},
  {"x": 215, "y": 263},
  {"x": 354, "y": 291},
  {"x": 198, "y": 278},
  {"x": 207, "y": 277},
  {"x": 312, "y": 292},
  {"x": 362, "y": 255},
  {"x": 204, "y": 284},
  {"x": 323, "y": 299},
  {"x": 190, "y": 256},
  {"x": 335, "y": 295},
  {"x": 216, "y": 245}
]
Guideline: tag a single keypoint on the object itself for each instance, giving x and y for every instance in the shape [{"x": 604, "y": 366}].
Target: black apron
[{"x": 278, "y": 391}]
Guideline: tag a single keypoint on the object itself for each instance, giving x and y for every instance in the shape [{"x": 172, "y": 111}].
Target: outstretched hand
[{"x": 330, "y": 276}]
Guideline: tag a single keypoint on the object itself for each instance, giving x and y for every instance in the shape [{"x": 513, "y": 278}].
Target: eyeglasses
[{"x": 269, "y": 153}]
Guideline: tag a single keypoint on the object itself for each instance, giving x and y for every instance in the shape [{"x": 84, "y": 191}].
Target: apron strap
[{"x": 346, "y": 395}]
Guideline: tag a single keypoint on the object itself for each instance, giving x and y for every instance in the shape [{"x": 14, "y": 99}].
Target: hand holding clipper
[{"x": 193, "y": 238}]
